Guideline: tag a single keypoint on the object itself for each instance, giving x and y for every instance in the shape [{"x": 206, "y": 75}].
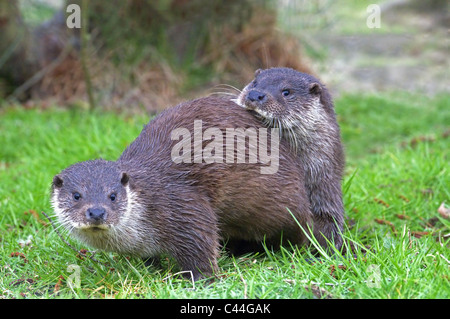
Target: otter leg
[
  {"x": 328, "y": 213},
  {"x": 198, "y": 267},
  {"x": 194, "y": 241},
  {"x": 326, "y": 230},
  {"x": 198, "y": 257},
  {"x": 297, "y": 236}
]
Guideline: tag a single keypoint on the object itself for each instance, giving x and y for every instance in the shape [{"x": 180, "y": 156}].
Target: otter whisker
[
  {"x": 223, "y": 93},
  {"x": 293, "y": 139},
  {"x": 54, "y": 215},
  {"x": 280, "y": 128},
  {"x": 228, "y": 86},
  {"x": 62, "y": 226}
]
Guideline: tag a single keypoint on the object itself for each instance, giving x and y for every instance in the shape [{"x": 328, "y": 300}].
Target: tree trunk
[{"x": 16, "y": 59}]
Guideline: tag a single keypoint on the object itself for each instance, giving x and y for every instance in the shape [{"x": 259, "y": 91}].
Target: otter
[
  {"x": 155, "y": 200},
  {"x": 300, "y": 106}
]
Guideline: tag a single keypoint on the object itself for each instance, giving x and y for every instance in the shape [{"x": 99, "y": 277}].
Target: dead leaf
[
  {"x": 430, "y": 222},
  {"x": 25, "y": 242},
  {"x": 33, "y": 213},
  {"x": 402, "y": 216},
  {"x": 443, "y": 211},
  {"x": 446, "y": 133},
  {"x": 386, "y": 222},
  {"x": 333, "y": 269},
  {"x": 21, "y": 255},
  {"x": 319, "y": 292},
  {"x": 427, "y": 191},
  {"x": 419, "y": 234},
  {"x": 419, "y": 139},
  {"x": 22, "y": 280},
  {"x": 380, "y": 201},
  {"x": 58, "y": 284}
]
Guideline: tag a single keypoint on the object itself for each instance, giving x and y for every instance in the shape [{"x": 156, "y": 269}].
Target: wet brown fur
[
  {"x": 307, "y": 120},
  {"x": 186, "y": 209}
]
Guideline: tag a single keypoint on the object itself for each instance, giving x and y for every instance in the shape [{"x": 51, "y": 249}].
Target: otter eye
[
  {"x": 76, "y": 196},
  {"x": 286, "y": 92},
  {"x": 112, "y": 197}
]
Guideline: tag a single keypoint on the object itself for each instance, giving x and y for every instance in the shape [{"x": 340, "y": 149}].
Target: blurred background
[{"x": 150, "y": 54}]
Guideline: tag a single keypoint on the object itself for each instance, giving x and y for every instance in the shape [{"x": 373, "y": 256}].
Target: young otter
[
  {"x": 148, "y": 202},
  {"x": 302, "y": 109}
]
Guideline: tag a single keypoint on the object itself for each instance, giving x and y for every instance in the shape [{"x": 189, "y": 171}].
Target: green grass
[
  {"x": 397, "y": 177},
  {"x": 35, "y": 13}
]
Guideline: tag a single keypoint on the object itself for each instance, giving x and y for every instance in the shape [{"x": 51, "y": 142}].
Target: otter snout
[
  {"x": 96, "y": 215},
  {"x": 256, "y": 96}
]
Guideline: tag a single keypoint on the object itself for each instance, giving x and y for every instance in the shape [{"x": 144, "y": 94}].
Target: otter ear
[
  {"x": 124, "y": 178},
  {"x": 315, "y": 88},
  {"x": 57, "y": 182},
  {"x": 257, "y": 72}
]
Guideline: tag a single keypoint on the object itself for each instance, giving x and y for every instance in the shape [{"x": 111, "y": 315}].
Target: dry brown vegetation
[{"x": 144, "y": 58}]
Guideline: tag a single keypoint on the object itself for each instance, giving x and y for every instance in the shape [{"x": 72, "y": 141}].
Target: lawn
[{"x": 397, "y": 177}]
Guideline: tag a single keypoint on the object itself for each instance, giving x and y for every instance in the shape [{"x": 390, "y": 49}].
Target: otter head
[
  {"x": 91, "y": 198},
  {"x": 284, "y": 97}
]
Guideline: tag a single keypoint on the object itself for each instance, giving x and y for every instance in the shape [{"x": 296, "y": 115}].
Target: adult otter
[
  {"x": 302, "y": 109},
  {"x": 154, "y": 199}
]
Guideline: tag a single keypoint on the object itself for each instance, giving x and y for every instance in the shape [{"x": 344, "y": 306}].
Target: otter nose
[
  {"x": 256, "y": 96},
  {"x": 96, "y": 215}
]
